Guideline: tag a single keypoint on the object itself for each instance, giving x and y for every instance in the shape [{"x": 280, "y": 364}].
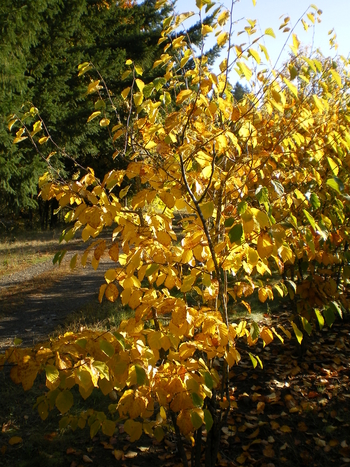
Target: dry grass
[{"x": 24, "y": 249}]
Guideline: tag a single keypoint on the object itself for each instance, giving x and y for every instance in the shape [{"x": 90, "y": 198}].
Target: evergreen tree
[
  {"x": 239, "y": 91},
  {"x": 41, "y": 45}
]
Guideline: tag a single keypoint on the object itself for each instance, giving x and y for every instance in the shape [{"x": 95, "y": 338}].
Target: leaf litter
[{"x": 294, "y": 411}]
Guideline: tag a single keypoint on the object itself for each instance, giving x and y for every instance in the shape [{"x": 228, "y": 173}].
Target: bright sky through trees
[{"x": 270, "y": 13}]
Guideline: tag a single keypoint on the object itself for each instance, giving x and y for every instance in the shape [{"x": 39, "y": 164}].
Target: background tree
[{"x": 42, "y": 45}]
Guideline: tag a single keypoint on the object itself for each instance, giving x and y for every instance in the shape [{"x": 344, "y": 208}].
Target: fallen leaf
[
  {"x": 87, "y": 459},
  {"x": 260, "y": 407},
  {"x": 320, "y": 442},
  {"x": 302, "y": 426},
  {"x": 268, "y": 451},
  {"x": 286, "y": 429},
  {"x": 143, "y": 448},
  {"x": 130, "y": 454},
  {"x": 118, "y": 454},
  {"x": 15, "y": 440}
]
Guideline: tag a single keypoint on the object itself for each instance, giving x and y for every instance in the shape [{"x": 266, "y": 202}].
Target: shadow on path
[{"x": 39, "y": 314}]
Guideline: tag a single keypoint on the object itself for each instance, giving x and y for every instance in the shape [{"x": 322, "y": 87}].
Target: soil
[{"x": 35, "y": 301}]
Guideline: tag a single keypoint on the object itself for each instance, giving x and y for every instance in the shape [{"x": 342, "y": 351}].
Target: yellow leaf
[
  {"x": 140, "y": 84},
  {"x": 93, "y": 115},
  {"x": 206, "y": 29},
  {"x": 184, "y": 422},
  {"x": 222, "y": 39},
  {"x": 94, "y": 86},
  {"x": 255, "y": 55},
  {"x": 293, "y": 89},
  {"x": 111, "y": 292},
  {"x": 184, "y": 94},
  {"x": 104, "y": 122},
  {"x": 262, "y": 293},
  {"x": 125, "y": 92},
  {"x": 207, "y": 209},
  {"x": 297, "y": 332},
  {"x": 114, "y": 252},
  {"x": 269, "y": 32},
  {"x": 43, "y": 139},
  {"x": 266, "y": 335},
  {"x": 265, "y": 245},
  {"x": 101, "y": 292},
  {"x": 163, "y": 238}
]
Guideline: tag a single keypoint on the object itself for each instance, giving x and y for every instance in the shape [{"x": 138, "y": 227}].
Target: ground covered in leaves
[{"x": 294, "y": 411}]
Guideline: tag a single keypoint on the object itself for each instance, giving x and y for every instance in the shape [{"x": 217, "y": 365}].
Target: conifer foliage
[
  {"x": 43, "y": 42},
  {"x": 234, "y": 198}
]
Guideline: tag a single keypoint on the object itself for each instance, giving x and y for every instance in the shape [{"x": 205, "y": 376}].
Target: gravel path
[{"x": 38, "y": 314}]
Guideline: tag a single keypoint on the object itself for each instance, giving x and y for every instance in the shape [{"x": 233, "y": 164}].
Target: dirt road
[{"x": 31, "y": 311}]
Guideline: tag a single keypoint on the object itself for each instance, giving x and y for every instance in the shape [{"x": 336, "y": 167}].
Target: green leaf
[
  {"x": 159, "y": 83},
  {"x": 147, "y": 90},
  {"x": 208, "y": 380},
  {"x": 314, "y": 200},
  {"x": 100, "y": 104},
  {"x": 64, "y": 401},
  {"x": 138, "y": 70},
  {"x": 197, "y": 400},
  {"x": 51, "y": 373},
  {"x": 159, "y": 433},
  {"x": 329, "y": 316},
  {"x": 141, "y": 376},
  {"x": 102, "y": 368},
  {"x": 208, "y": 419},
  {"x": 336, "y": 308},
  {"x": 259, "y": 360},
  {"x": 297, "y": 332},
  {"x": 94, "y": 428},
  {"x": 17, "y": 341},
  {"x": 196, "y": 420},
  {"x": 207, "y": 209},
  {"x": 310, "y": 219},
  {"x": 82, "y": 343},
  {"x": 254, "y": 330},
  {"x": 253, "y": 359},
  {"x": 151, "y": 269},
  {"x": 336, "y": 184},
  {"x": 108, "y": 427},
  {"x": 306, "y": 325},
  {"x": 319, "y": 317},
  {"x": 107, "y": 348},
  {"x": 242, "y": 207},
  {"x": 262, "y": 194},
  {"x": 120, "y": 339},
  {"x": 229, "y": 222},
  {"x": 236, "y": 234}
]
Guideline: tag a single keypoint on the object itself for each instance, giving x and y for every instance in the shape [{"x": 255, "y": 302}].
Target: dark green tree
[
  {"x": 239, "y": 91},
  {"x": 42, "y": 44}
]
